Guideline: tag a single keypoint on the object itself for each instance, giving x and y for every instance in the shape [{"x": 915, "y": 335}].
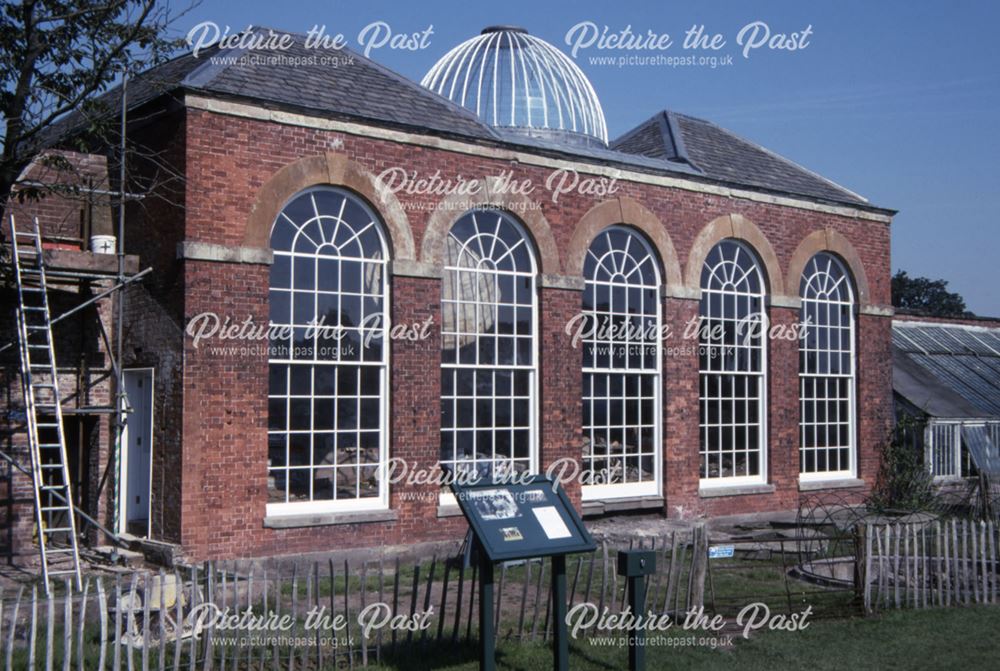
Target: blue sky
[{"x": 898, "y": 101}]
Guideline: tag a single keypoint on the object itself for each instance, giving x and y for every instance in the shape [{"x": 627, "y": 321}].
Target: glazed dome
[{"x": 522, "y": 84}]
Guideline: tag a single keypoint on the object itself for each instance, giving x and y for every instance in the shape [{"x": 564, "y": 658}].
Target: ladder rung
[
  {"x": 50, "y": 509},
  {"x": 47, "y": 425},
  {"x": 33, "y": 308},
  {"x": 51, "y": 466},
  {"x": 59, "y": 551},
  {"x": 58, "y": 530},
  {"x": 51, "y": 488},
  {"x": 43, "y": 385},
  {"x": 33, "y": 290}
]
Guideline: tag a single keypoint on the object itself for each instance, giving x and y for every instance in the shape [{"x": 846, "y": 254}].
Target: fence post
[
  {"x": 699, "y": 565},
  {"x": 862, "y": 554}
]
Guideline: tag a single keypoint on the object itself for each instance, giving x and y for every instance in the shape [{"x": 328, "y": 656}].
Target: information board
[{"x": 531, "y": 517}]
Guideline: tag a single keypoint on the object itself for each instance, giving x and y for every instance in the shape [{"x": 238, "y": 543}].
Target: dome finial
[{"x": 503, "y": 29}]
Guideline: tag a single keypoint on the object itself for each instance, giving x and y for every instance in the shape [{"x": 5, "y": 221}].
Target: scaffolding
[
  {"x": 48, "y": 451},
  {"x": 55, "y": 510}
]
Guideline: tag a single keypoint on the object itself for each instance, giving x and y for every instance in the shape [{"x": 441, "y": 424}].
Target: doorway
[{"x": 137, "y": 453}]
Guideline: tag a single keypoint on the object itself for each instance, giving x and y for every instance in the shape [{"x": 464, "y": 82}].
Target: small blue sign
[{"x": 721, "y": 551}]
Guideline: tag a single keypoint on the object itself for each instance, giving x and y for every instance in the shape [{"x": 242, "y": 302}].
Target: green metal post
[
  {"x": 560, "y": 639},
  {"x": 487, "y": 637},
  {"x": 636, "y": 601}
]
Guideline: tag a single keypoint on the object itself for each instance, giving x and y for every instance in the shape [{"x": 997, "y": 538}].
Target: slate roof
[
  {"x": 947, "y": 370},
  {"x": 727, "y": 157},
  {"x": 362, "y": 90},
  {"x": 358, "y": 89}
]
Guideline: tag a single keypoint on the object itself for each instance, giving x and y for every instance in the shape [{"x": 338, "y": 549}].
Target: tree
[
  {"x": 56, "y": 56},
  {"x": 930, "y": 297}
]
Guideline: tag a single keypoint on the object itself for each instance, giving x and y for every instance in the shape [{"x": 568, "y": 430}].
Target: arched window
[
  {"x": 488, "y": 353},
  {"x": 826, "y": 370},
  {"x": 327, "y": 396},
  {"x": 732, "y": 357},
  {"x": 621, "y": 367}
]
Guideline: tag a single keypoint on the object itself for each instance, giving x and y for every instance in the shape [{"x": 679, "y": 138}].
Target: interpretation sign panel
[{"x": 530, "y": 517}]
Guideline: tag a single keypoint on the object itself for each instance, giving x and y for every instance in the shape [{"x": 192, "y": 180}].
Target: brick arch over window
[
  {"x": 829, "y": 240},
  {"x": 335, "y": 170},
  {"x": 740, "y": 228},
  {"x": 630, "y": 213},
  {"x": 525, "y": 210}
]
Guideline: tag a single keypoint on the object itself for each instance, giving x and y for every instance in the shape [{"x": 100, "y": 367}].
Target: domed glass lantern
[{"x": 521, "y": 84}]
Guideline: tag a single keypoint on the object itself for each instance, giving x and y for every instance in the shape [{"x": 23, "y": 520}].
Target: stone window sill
[
  {"x": 329, "y": 519},
  {"x": 603, "y": 506},
  {"x": 449, "y": 511},
  {"x": 738, "y": 490},
  {"x": 843, "y": 483}
]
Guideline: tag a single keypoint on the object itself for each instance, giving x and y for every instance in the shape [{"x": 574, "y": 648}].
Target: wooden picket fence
[
  {"x": 141, "y": 620},
  {"x": 927, "y": 564}
]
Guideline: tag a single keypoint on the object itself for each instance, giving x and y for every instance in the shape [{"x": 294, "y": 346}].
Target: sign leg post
[
  {"x": 636, "y": 601},
  {"x": 560, "y": 639},
  {"x": 487, "y": 638}
]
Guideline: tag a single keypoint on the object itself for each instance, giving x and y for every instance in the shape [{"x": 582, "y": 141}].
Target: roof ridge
[
  {"x": 677, "y": 137},
  {"x": 635, "y": 129},
  {"x": 204, "y": 74},
  {"x": 425, "y": 91},
  {"x": 777, "y": 156},
  {"x": 413, "y": 85}
]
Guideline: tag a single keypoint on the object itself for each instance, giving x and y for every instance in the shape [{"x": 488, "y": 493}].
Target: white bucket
[{"x": 103, "y": 244}]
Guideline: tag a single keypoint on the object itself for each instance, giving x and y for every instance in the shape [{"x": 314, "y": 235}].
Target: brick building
[{"x": 357, "y": 211}]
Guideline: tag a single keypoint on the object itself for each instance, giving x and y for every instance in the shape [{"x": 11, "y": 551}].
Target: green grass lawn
[{"x": 959, "y": 638}]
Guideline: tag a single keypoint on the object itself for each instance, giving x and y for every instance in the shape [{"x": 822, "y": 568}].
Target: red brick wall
[
  {"x": 65, "y": 217},
  {"x": 222, "y": 468},
  {"x": 560, "y": 407},
  {"x": 154, "y": 308}
]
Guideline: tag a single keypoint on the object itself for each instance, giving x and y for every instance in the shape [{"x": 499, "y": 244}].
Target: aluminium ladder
[{"x": 57, "y": 539}]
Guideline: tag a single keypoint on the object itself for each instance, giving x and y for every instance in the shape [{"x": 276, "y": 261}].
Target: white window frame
[
  {"x": 724, "y": 482},
  {"x": 482, "y": 219},
  {"x": 935, "y": 452},
  {"x": 951, "y": 429},
  {"x": 645, "y": 254},
  {"x": 807, "y": 284},
  {"x": 381, "y": 501}
]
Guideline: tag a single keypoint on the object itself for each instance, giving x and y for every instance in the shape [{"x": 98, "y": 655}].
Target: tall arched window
[
  {"x": 826, "y": 370},
  {"x": 488, "y": 345},
  {"x": 621, "y": 367},
  {"x": 733, "y": 361},
  {"x": 327, "y": 396}
]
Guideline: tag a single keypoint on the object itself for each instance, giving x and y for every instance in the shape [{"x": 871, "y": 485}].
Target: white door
[{"x": 138, "y": 449}]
